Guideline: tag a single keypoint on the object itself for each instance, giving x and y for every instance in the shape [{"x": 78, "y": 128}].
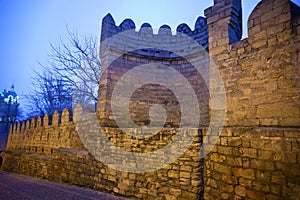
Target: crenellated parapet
[
  {"x": 199, "y": 34},
  {"x": 43, "y": 133},
  {"x": 57, "y": 119},
  {"x": 33, "y": 123}
]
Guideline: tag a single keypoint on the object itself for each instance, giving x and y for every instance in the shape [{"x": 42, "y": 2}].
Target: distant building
[{"x": 9, "y": 103}]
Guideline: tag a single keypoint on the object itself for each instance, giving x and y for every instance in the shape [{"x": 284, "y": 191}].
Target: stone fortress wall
[
  {"x": 258, "y": 153},
  {"x": 123, "y": 49},
  {"x": 50, "y": 148},
  {"x": 257, "y": 156}
]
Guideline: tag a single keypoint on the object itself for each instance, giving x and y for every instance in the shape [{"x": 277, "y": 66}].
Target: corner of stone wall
[
  {"x": 257, "y": 153},
  {"x": 224, "y": 20}
]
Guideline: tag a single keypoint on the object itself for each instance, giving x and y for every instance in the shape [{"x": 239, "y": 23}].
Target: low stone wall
[
  {"x": 41, "y": 135},
  {"x": 179, "y": 180},
  {"x": 49, "y": 147}
]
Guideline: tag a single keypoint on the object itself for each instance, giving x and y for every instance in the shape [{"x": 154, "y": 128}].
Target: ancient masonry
[{"x": 258, "y": 153}]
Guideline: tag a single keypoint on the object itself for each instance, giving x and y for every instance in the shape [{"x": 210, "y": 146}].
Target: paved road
[{"x": 19, "y": 187}]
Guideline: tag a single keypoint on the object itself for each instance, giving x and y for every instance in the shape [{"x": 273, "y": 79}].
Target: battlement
[
  {"x": 199, "y": 34},
  {"x": 42, "y": 121},
  {"x": 44, "y": 133}
]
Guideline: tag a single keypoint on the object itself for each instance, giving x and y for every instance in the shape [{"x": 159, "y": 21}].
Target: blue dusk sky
[{"x": 28, "y": 27}]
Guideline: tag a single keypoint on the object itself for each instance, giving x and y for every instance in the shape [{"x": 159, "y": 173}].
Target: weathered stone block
[
  {"x": 278, "y": 178},
  {"x": 234, "y": 141},
  {"x": 248, "y": 152},
  {"x": 217, "y": 157},
  {"x": 260, "y": 186},
  {"x": 225, "y": 196},
  {"x": 252, "y": 194},
  {"x": 184, "y": 174},
  {"x": 234, "y": 161},
  {"x": 262, "y": 165},
  {"x": 222, "y": 168},
  {"x": 273, "y": 197},
  {"x": 244, "y": 173},
  {"x": 245, "y": 182},
  {"x": 265, "y": 155},
  {"x": 224, "y": 150},
  {"x": 240, "y": 191}
]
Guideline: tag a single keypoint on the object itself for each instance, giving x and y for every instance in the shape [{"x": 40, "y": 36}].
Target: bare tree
[
  {"x": 77, "y": 63},
  {"x": 49, "y": 93},
  {"x": 71, "y": 75}
]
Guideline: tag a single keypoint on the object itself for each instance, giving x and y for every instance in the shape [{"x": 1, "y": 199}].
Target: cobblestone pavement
[{"x": 19, "y": 187}]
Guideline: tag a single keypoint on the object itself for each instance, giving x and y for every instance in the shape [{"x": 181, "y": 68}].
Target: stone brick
[
  {"x": 252, "y": 194},
  {"x": 225, "y": 196},
  {"x": 276, "y": 189},
  {"x": 196, "y": 183},
  {"x": 257, "y": 143},
  {"x": 259, "y": 44},
  {"x": 217, "y": 157},
  {"x": 222, "y": 168},
  {"x": 186, "y": 168},
  {"x": 132, "y": 176},
  {"x": 246, "y": 162},
  {"x": 273, "y": 197},
  {"x": 270, "y": 111},
  {"x": 175, "y": 191},
  {"x": 289, "y": 157},
  {"x": 244, "y": 173},
  {"x": 223, "y": 141},
  {"x": 245, "y": 182},
  {"x": 173, "y": 174},
  {"x": 184, "y": 174},
  {"x": 271, "y": 14},
  {"x": 262, "y": 165},
  {"x": 234, "y": 161},
  {"x": 212, "y": 183},
  {"x": 259, "y": 186},
  {"x": 224, "y": 150},
  {"x": 265, "y": 155},
  {"x": 170, "y": 197},
  {"x": 185, "y": 181},
  {"x": 234, "y": 141},
  {"x": 263, "y": 176},
  {"x": 278, "y": 178},
  {"x": 240, "y": 190},
  {"x": 248, "y": 152},
  {"x": 296, "y": 146},
  {"x": 189, "y": 195}
]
